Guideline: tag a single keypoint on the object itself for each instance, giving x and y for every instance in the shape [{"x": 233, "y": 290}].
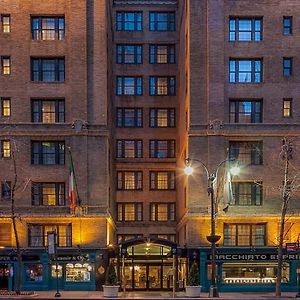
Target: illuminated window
[
  {"x": 287, "y": 108},
  {"x": 48, "y": 69},
  {"x": 38, "y": 235},
  {"x": 129, "y": 54},
  {"x": 162, "y": 117},
  {"x": 130, "y": 180},
  {"x": 78, "y": 272},
  {"x": 162, "y": 212},
  {"x": 34, "y": 272},
  {"x": 5, "y": 234},
  {"x": 6, "y": 190},
  {"x": 244, "y": 234},
  {"x": 129, "y": 117},
  {"x": 48, "y": 194},
  {"x": 245, "y": 29},
  {"x": 129, "y": 148},
  {"x": 162, "y": 21},
  {"x": 162, "y": 148},
  {"x": 168, "y": 237},
  {"x": 162, "y": 180},
  {"x": 125, "y": 237},
  {"x": 245, "y": 70},
  {"x": 48, "y": 153},
  {"x": 48, "y": 28},
  {"x": 5, "y": 149},
  {"x": 6, "y": 66},
  {"x": 245, "y": 111},
  {"x": 48, "y": 111},
  {"x": 5, "y": 19},
  {"x": 129, "y": 86},
  {"x": 129, "y": 21},
  {"x": 162, "y": 54},
  {"x": 5, "y": 107},
  {"x": 130, "y": 212},
  {"x": 247, "y": 153},
  {"x": 162, "y": 86}
]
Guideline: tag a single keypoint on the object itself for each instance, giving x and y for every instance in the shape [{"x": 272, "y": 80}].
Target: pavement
[{"x": 147, "y": 295}]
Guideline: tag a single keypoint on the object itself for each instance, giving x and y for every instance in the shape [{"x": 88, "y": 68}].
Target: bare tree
[{"x": 287, "y": 191}]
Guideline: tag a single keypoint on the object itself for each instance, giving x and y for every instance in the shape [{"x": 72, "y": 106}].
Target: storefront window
[
  {"x": 59, "y": 271},
  {"x": 78, "y": 272},
  {"x": 34, "y": 272},
  {"x": 253, "y": 273}
]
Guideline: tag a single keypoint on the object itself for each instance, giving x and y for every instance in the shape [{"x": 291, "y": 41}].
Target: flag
[{"x": 71, "y": 185}]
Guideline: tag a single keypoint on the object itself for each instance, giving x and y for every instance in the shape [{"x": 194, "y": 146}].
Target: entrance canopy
[{"x": 148, "y": 247}]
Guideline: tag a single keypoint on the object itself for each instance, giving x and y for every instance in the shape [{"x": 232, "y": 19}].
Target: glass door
[
  {"x": 4, "y": 272},
  {"x": 140, "y": 277},
  {"x": 154, "y": 277}
]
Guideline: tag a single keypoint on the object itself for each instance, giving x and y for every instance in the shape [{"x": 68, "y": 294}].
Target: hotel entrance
[{"x": 150, "y": 264}]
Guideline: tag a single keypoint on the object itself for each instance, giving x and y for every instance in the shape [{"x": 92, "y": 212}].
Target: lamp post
[{"x": 212, "y": 238}]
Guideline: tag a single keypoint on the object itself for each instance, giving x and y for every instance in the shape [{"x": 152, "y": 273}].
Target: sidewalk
[{"x": 148, "y": 295}]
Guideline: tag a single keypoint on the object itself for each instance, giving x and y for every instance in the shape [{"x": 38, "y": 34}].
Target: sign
[
  {"x": 51, "y": 243},
  {"x": 253, "y": 257},
  {"x": 291, "y": 247},
  {"x": 83, "y": 257}
]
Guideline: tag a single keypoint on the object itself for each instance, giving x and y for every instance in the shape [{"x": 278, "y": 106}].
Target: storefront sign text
[{"x": 259, "y": 257}]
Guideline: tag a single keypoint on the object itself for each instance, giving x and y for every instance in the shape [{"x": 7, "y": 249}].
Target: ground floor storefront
[{"x": 249, "y": 269}]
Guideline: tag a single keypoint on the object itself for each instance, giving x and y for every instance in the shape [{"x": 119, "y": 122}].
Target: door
[
  {"x": 154, "y": 277},
  {"x": 140, "y": 277},
  {"x": 57, "y": 279},
  {"x": 4, "y": 272}
]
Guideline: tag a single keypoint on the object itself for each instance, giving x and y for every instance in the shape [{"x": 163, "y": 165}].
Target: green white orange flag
[{"x": 71, "y": 185}]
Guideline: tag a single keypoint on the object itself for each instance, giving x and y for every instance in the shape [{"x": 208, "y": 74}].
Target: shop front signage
[
  {"x": 83, "y": 257},
  {"x": 254, "y": 257}
]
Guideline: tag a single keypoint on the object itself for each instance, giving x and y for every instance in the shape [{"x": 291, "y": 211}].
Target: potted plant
[
  {"x": 192, "y": 289},
  {"x": 111, "y": 287}
]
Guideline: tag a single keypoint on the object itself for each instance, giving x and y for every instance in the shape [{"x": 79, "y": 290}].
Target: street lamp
[{"x": 212, "y": 238}]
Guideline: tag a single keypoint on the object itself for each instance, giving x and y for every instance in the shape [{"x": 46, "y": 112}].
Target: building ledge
[{"x": 145, "y": 2}]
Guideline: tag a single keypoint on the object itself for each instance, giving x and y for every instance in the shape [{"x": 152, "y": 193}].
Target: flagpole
[{"x": 75, "y": 181}]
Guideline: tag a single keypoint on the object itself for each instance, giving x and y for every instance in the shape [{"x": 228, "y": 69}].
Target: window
[
  {"x": 287, "y": 108},
  {"x": 247, "y": 193},
  {"x": 245, "y": 111},
  {"x": 162, "y": 117},
  {"x": 162, "y": 86},
  {"x": 287, "y": 25},
  {"x": 5, "y": 149},
  {"x": 5, "y": 20},
  {"x": 48, "y": 111},
  {"x": 6, "y": 190},
  {"x": 168, "y": 237},
  {"x": 245, "y": 70},
  {"x": 48, "y": 153},
  {"x": 38, "y": 235},
  {"x": 48, "y": 69},
  {"x": 162, "y": 148},
  {"x": 78, "y": 272},
  {"x": 162, "y": 54},
  {"x": 5, "y": 107},
  {"x": 162, "y": 21},
  {"x": 129, "y": 148},
  {"x": 34, "y": 272},
  {"x": 48, "y": 194},
  {"x": 48, "y": 28},
  {"x": 162, "y": 180},
  {"x": 129, "y": 54},
  {"x": 5, "y": 234},
  {"x": 129, "y": 21},
  {"x": 129, "y": 86},
  {"x": 244, "y": 234},
  {"x": 129, "y": 117},
  {"x": 130, "y": 212},
  {"x": 247, "y": 153},
  {"x": 287, "y": 66},
  {"x": 130, "y": 180},
  {"x": 245, "y": 29},
  {"x": 6, "y": 65},
  {"x": 162, "y": 211}
]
